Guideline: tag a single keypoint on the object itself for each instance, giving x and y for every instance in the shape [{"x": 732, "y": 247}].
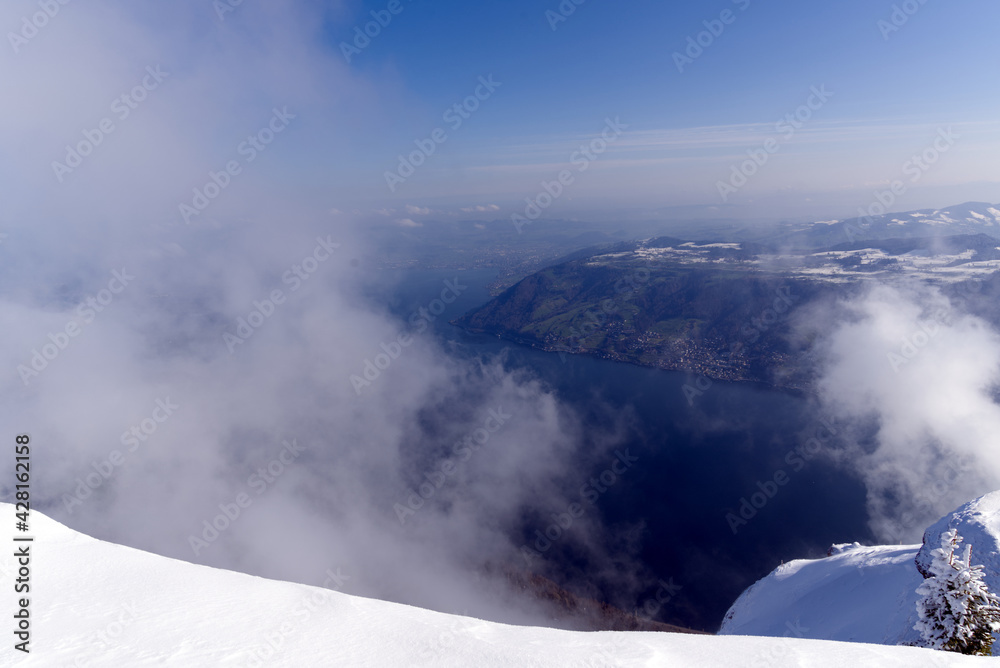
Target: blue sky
[
  {"x": 889, "y": 95},
  {"x": 687, "y": 131},
  {"x": 610, "y": 58}
]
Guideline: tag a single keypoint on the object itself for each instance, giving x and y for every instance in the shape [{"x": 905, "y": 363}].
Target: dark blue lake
[{"x": 699, "y": 456}]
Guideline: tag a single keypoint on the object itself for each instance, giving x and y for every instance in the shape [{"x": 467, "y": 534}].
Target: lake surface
[{"x": 700, "y": 456}]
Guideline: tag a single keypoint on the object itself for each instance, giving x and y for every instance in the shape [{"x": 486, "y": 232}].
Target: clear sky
[
  {"x": 892, "y": 85},
  {"x": 884, "y": 81}
]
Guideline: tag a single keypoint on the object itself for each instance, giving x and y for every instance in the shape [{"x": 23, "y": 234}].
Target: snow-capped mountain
[
  {"x": 967, "y": 218},
  {"x": 863, "y": 594},
  {"x": 975, "y": 216},
  {"x": 94, "y": 603}
]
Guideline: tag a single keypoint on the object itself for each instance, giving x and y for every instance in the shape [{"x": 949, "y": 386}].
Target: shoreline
[{"x": 792, "y": 390}]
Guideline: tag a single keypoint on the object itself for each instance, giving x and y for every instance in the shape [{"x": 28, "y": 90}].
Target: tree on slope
[{"x": 957, "y": 612}]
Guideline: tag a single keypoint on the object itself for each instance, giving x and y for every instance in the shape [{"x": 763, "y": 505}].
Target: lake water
[{"x": 700, "y": 456}]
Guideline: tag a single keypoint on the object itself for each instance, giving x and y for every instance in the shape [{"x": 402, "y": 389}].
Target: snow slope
[
  {"x": 99, "y": 604},
  {"x": 978, "y": 522},
  {"x": 863, "y": 594}
]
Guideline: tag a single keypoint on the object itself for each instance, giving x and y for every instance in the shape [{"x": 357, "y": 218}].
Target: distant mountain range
[
  {"x": 719, "y": 308},
  {"x": 968, "y": 218}
]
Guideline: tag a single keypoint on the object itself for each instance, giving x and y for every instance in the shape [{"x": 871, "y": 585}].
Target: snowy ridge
[
  {"x": 978, "y": 522},
  {"x": 98, "y": 604},
  {"x": 980, "y": 214},
  {"x": 862, "y": 594},
  {"x": 969, "y": 213},
  {"x": 873, "y": 224}
]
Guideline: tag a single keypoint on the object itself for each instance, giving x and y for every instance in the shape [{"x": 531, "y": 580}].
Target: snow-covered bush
[{"x": 957, "y": 612}]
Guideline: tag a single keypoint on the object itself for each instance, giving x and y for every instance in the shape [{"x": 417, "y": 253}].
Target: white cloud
[
  {"x": 913, "y": 377},
  {"x": 162, "y": 337}
]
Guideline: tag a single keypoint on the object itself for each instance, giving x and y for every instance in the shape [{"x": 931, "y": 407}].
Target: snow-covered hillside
[
  {"x": 99, "y": 604},
  {"x": 978, "y": 522},
  {"x": 863, "y": 594}
]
